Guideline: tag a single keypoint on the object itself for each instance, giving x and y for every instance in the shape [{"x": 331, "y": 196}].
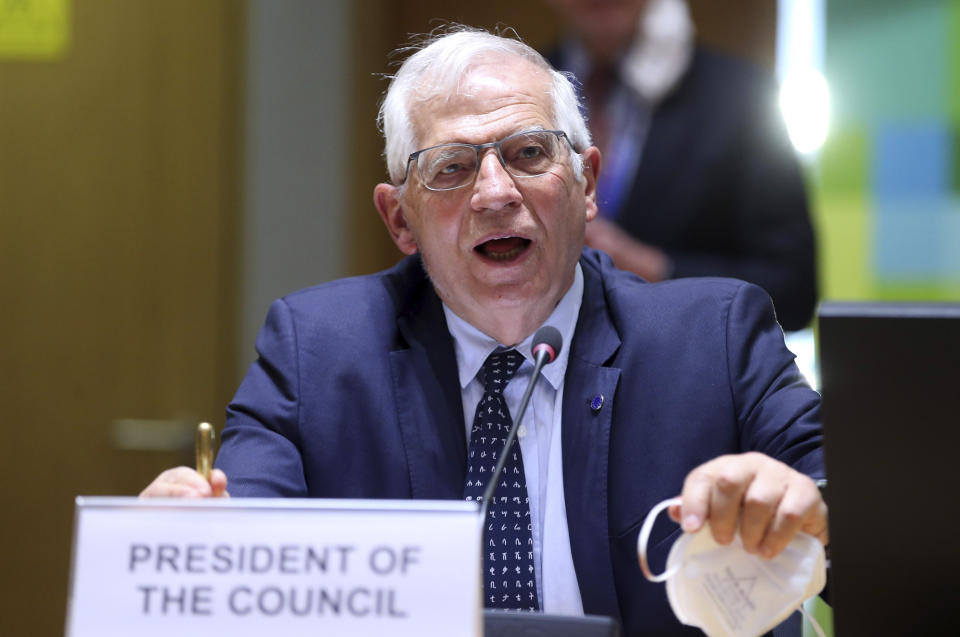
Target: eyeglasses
[{"x": 526, "y": 154}]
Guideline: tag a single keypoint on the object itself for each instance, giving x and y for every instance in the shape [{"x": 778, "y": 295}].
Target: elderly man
[{"x": 391, "y": 385}]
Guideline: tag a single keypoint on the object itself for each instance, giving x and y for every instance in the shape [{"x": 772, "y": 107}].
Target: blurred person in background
[{"x": 699, "y": 177}]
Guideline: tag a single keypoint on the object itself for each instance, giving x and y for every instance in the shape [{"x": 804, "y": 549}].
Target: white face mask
[{"x": 727, "y": 592}]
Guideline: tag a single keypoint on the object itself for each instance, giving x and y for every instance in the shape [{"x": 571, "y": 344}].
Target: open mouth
[{"x": 505, "y": 249}]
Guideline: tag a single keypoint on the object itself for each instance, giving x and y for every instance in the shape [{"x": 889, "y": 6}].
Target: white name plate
[{"x": 274, "y": 567}]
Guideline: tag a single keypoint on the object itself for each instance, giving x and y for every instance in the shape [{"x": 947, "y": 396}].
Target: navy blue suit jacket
[{"x": 355, "y": 394}]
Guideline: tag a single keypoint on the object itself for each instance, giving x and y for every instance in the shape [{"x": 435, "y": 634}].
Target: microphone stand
[
  {"x": 542, "y": 358},
  {"x": 516, "y": 624}
]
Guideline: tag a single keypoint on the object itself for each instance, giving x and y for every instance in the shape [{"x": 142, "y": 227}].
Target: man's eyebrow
[{"x": 525, "y": 129}]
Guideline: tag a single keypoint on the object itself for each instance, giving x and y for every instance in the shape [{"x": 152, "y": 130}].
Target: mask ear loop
[
  {"x": 645, "y": 536},
  {"x": 813, "y": 621}
]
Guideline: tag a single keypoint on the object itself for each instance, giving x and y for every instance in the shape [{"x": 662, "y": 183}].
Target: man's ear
[
  {"x": 386, "y": 197},
  {"x": 591, "y": 171}
]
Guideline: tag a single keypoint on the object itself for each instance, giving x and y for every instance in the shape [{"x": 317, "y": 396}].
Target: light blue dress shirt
[{"x": 539, "y": 435}]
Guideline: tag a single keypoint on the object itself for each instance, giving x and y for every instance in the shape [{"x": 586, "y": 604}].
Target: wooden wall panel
[{"x": 118, "y": 225}]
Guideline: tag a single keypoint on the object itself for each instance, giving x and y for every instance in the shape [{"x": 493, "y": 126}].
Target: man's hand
[
  {"x": 767, "y": 500},
  {"x": 628, "y": 254},
  {"x": 184, "y": 482}
]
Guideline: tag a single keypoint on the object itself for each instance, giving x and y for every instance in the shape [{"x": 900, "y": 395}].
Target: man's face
[
  {"x": 501, "y": 243},
  {"x": 602, "y": 24}
]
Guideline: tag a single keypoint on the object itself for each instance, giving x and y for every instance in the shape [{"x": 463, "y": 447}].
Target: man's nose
[{"x": 494, "y": 188}]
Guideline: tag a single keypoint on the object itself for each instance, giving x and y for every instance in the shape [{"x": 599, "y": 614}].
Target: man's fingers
[
  {"x": 766, "y": 500},
  {"x": 713, "y": 492},
  {"x": 816, "y": 525},
  {"x": 696, "y": 501},
  {"x": 759, "y": 507},
  {"x": 181, "y": 482},
  {"x": 799, "y": 508},
  {"x": 726, "y": 497},
  {"x": 170, "y": 490},
  {"x": 218, "y": 484},
  {"x": 674, "y": 511}
]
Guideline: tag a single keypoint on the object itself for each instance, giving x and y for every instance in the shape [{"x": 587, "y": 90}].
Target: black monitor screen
[{"x": 891, "y": 405}]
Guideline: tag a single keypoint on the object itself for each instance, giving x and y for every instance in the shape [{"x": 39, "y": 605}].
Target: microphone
[{"x": 547, "y": 344}]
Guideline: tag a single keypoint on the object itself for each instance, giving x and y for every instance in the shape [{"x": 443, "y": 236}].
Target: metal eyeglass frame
[{"x": 478, "y": 149}]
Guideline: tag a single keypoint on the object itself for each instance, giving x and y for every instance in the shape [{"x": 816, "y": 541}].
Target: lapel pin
[{"x": 596, "y": 404}]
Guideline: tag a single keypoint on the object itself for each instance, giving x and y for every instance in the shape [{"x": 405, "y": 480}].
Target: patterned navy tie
[{"x": 509, "y": 580}]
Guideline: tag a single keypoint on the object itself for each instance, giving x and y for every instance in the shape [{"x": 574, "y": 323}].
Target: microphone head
[{"x": 547, "y": 340}]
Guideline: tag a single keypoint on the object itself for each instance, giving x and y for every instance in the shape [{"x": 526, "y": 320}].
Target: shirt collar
[{"x": 472, "y": 346}]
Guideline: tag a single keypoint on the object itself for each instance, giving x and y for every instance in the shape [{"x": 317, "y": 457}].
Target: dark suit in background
[
  {"x": 718, "y": 186},
  {"x": 355, "y": 394}
]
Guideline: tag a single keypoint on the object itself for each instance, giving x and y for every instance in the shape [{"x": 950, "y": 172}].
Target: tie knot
[{"x": 498, "y": 369}]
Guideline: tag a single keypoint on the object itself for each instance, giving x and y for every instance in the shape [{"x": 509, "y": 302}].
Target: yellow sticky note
[{"x": 34, "y": 28}]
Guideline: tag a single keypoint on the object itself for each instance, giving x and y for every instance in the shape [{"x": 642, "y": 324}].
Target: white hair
[{"x": 444, "y": 58}]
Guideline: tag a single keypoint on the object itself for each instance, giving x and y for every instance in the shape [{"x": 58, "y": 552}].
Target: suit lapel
[
  {"x": 430, "y": 413},
  {"x": 588, "y": 395},
  {"x": 429, "y": 406}
]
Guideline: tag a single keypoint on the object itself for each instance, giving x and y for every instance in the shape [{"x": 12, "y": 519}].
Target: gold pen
[{"x": 204, "y": 448}]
